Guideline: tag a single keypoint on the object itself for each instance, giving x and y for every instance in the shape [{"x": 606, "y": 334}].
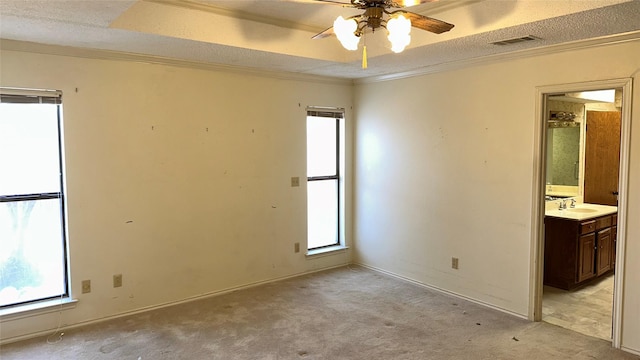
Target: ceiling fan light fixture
[
  {"x": 407, "y": 3},
  {"x": 345, "y": 30},
  {"x": 399, "y": 28}
]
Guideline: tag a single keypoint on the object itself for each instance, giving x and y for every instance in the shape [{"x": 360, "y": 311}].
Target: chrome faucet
[
  {"x": 573, "y": 203},
  {"x": 562, "y": 204}
]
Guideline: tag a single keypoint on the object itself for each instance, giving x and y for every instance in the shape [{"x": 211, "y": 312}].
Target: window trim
[{"x": 53, "y": 97}]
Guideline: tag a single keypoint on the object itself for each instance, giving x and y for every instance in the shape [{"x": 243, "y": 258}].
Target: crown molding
[
  {"x": 219, "y": 10},
  {"x": 15, "y": 45},
  {"x": 438, "y": 7},
  {"x": 87, "y": 53},
  {"x": 521, "y": 54}
]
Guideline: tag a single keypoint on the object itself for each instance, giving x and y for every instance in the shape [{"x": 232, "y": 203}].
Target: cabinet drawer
[
  {"x": 587, "y": 227},
  {"x": 614, "y": 219},
  {"x": 603, "y": 222}
]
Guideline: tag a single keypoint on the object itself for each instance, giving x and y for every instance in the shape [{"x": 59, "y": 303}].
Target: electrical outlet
[
  {"x": 296, "y": 247},
  {"x": 117, "y": 280},
  {"x": 454, "y": 263},
  {"x": 86, "y": 286},
  {"x": 295, "y": 181}
]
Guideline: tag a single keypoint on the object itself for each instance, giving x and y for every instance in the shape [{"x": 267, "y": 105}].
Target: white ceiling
[{"x": 275, "y": 35}]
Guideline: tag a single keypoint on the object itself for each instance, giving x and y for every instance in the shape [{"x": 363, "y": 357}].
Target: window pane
[
  {"x": 321, "y": 146},
  {"x": 31, "y": 251},
  {"x": 29, "y": 151},
  {"x": 322, "y": 222}
]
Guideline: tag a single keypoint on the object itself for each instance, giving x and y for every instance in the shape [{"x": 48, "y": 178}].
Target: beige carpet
[{"x": 346, "y": 313}]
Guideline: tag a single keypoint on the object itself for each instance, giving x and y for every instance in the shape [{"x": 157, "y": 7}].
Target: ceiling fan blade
[
  {"x": 333, "y": 2},
  {"x": 324, "y": 34},
  {"x": 426, "y": 23},
  {"x": 345, "y": 3}
]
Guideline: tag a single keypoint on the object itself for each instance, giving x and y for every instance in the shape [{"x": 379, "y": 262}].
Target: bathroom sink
[{"x": 581, "y": 210}]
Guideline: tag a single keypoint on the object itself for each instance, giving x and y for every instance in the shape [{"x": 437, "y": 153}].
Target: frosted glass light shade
[
  {"x": 346, "y": 32},
  {"x": 399, "y": 29}
]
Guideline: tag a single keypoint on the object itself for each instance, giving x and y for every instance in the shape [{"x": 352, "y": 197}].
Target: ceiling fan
[{"x": 398, "y": 22}]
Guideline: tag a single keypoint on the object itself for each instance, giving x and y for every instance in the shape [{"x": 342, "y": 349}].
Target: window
[
  {"x": 33, "y": 264},
  {"x": 324, "y": 163}
]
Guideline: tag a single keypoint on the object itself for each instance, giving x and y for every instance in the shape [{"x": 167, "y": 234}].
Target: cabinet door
[
  {"x": 603, "y": 253},
  {"x": 586, "y": 257}
]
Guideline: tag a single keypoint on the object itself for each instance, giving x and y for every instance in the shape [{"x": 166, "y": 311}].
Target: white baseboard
[{"x": 630, "y": 351}]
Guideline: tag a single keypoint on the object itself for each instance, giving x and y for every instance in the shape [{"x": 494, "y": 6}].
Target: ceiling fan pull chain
[{"x": 364, "y": 57}]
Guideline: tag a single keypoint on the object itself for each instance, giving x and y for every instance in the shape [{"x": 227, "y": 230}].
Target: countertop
[{"x": 582, "y": 211}]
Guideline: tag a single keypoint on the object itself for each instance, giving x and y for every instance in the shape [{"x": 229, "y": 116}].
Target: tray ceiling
[{"x": 276, "y": 35}]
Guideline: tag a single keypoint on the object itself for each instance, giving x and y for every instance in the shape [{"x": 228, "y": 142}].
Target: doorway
[{"x": 565, "y": 307}]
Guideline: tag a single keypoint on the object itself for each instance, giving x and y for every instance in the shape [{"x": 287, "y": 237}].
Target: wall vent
[{"x": 515, "y": 40}]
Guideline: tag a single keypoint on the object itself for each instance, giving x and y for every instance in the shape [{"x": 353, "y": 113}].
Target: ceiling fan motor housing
[
  {"x": 363, "y": 4},
  {"x": 374, "y": 17}
]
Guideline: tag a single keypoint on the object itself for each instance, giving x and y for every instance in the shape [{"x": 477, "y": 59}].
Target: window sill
[
  {"x": 326, "y": 251},
  {"x": 35, "y": 309}
]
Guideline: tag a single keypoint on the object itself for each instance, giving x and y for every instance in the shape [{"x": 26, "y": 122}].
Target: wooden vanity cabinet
[
  {"x": 614, "y": 239},
  {"x": 577, "y": 251}
]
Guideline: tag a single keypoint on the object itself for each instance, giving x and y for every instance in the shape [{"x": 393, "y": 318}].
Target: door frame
[{"x": 538, "y": 204}]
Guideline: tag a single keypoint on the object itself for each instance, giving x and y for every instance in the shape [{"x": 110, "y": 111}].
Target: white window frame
[
  {"x": 32, "y": 96},
  {"x": 339, "y": 115}
]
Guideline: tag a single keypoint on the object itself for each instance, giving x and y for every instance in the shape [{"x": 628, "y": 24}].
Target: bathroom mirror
[
  {"x": 564, "y": 155},
  {"x": 564, "y": 147}
]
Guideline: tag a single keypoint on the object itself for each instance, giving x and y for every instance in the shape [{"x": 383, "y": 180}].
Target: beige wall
[
  {"x": 443, "y": 163},
  {"x": 445, "y": 168},
  {"x": 177, "y": 178}
]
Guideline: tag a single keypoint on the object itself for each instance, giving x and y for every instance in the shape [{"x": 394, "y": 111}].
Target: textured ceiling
[{"x": 276, "y": 35}]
